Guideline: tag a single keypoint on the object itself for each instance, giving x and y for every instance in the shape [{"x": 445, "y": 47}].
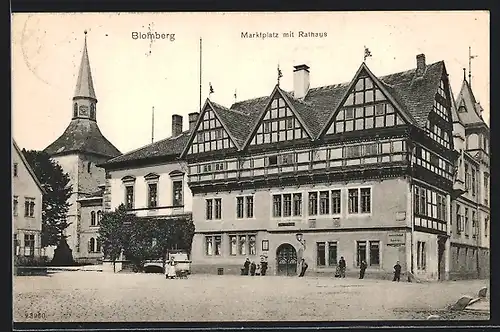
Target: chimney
[
  {"x": 193, "y": 117},
  {"x": 300, "y": 81},
  {"x": 176, "y": 125},
  {"x": 420, "y": 65}
]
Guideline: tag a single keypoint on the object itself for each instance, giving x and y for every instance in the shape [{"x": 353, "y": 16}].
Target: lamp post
[{"x": 300, "y": 238}]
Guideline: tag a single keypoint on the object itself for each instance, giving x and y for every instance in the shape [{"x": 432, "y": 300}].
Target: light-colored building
[
  {"x": 27, "y": 195},
  {"x": 79, "y": 150},
  {"x": 362, "y": 169},
  {"x": 470, "y": 231},
  {"x": 151, "y": 181}
]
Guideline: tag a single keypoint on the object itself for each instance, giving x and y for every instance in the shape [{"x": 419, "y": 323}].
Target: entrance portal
[{"x": 286, "y": 257}]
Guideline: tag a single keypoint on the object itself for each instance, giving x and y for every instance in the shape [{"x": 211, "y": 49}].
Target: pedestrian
[
  {"x": 362, "y": 269},
  {"x": 397, "y": 272},
  {"x": 246, "y": 266},
  {"x": 257, "y": 271},
  {"x": 252, "y": 268},
  {"x": 342, "y": 267},
  {"x": 170, "y": 269},
  {"x": 263, "y": 268},
  {"x": 303, "y": 267}
]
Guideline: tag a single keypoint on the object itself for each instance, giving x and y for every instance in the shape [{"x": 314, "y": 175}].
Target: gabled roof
[
  {"x": 28, "y": 167},
  {"x": 473, "y": 115},
  {"x": 413, "y": 97},
  {"x": 169, "y": 148},
  {"x": 82, "y": 136},
  {"x": 84, "y": 83}
]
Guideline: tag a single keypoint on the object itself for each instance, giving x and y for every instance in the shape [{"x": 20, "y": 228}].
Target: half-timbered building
[{"x": 362, "y": 170}]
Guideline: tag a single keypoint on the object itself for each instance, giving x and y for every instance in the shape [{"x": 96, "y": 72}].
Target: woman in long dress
[{"x": 170, "y": 273}]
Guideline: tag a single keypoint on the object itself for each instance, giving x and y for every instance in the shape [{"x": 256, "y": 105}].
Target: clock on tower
[{"x": 84, "y": 110}]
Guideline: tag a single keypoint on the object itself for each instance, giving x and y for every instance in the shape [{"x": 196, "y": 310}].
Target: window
[
  {"x": 361, "y": 252},
  {"x": 313, "y": 204},
  {"x": 336, "y": 206},
  {"x": 29, "y": 244},
  {"x": 99, "y": 217},
  {"x": 374, "y": 253},
  {"x": 209, "y": 245},
  {"x": 421, "y": 255},
  {"x": 29, "y": 207},
  {"x": 14, "y": 171},
  {"x": 365, "y": 200},
  {"x": 324, "y": 202},
  {"x": 467, "y": 178},
  {"x": 98, "y": 245},
  {"x": 276, "y": 205},
  {"x": 177, "y": 193},
  {"x": 353, "y": 151},
  {"x": 234, "y": 244},
  {"x": 200, "y": 137},
  {"x": 239, "y": 207},
  {"x": 473, "y": 180},
  {"x": 219, "y": 166},
  {"x": 486, "y": 189},
  {"x": 287, "y": 205},
  {"x": 209, "y": 209},
  {"x": 272, "y": 160},
  {"x": 218, "y": 208},
  {"x": 75, "y": 110},
  {"x": 353, "y": 201},
  {"x": 320, "y": 254},
  {"x": 242, "y": 245},
  {"x": 486, "y": 220},
  {"x": 207, "y": 168},
  {"x": 91, "y": 245},
  {"x": 332, "y": 253},
  {"x": 287, "y": 159},
  {"x": 15, "y": 204},
  {"x": 129, "y": 197},
  {"x": 297, "y": 204},
  {"x": 474, "y": 224},
  {"x": 89, "y": 164},
  {"x": 466, "y": 222},
  {"x": 92, "y": 218},
  {"x": 459, "y": 220},
  {"x": 252, "y": 245},
  {"x": 152, "y": 195},
  {"x": 249, "y": 206}
]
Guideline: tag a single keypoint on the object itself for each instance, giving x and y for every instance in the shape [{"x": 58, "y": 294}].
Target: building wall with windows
[
  {"x": 27, "y": 194},
  {"x": 91, "y": 210},
  {"x": 338, "y": 212},
  {"x": 153, "y": 190}
]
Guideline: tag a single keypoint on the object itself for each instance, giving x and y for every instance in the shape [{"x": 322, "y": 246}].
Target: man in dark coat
[
  {"x": 252, "y": 268},
  {"x": 397, "y": 272},
  {"x": 246, "y": 266},
  {"x": 263, "y": 267},
  {"x": 362, "y": 269},
  {"x": 303, "y": 267},
  {"x": 342, "y": 267}
]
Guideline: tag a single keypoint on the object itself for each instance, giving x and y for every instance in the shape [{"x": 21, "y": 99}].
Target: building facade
[
  {"x": 362, "y": 170},
  {"x": 151, "y": 181},
  {"x": 27, "y": 195},
  {"x": 469, "y": 233},
  {"x": 79, "y": 150}
]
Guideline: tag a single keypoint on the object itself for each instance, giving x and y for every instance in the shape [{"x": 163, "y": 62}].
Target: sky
[{"x": 131, "y": 76}]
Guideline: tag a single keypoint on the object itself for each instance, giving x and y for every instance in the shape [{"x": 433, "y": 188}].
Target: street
[{"x": 84, "y": 296}]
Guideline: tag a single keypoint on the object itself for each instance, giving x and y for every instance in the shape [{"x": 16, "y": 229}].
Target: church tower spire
[{"x": 84, "y": 99}]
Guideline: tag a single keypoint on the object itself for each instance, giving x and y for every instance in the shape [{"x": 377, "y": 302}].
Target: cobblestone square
[{"x": 83, "y": 296}]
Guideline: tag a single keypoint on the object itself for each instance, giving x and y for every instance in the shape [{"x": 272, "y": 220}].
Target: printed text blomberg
[{"x": 290, "y": 34}]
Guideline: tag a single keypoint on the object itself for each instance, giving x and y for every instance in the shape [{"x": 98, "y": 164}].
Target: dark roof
[
  {"x": 82, "y": 136},
  {"x": 414, "y": 96},
  {"x": 170, "y": 147},
  {"x": 472, "y": 116}
]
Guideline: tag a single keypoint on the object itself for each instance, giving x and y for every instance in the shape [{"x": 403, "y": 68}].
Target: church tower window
[{"x": 75, "y": 110}]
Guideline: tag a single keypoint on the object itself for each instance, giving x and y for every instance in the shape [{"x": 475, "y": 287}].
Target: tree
[
  {"x": 114, "y": 232},
  {"x": 55, "y": 203}
]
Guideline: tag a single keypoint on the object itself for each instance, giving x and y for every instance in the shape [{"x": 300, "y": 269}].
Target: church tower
[{"x": 79, "y": 150}]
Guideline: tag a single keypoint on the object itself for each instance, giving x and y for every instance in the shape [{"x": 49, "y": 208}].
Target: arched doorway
[{"x": 286, "y": 260}]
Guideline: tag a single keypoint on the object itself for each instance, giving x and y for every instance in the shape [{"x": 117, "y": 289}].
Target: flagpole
[
  {"x": 200, "y": 72},
  {"x": 153, "y": 125}
]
